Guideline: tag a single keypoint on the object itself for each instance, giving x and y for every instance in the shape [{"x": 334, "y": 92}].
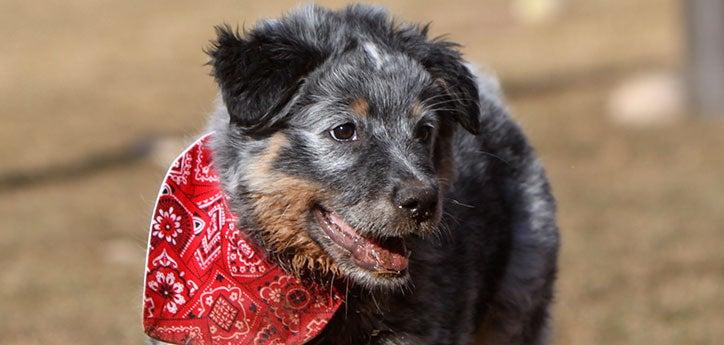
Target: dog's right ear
[{"x": 260, "y": 72}]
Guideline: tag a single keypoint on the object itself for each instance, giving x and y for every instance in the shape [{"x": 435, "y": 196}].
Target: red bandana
[{"x": 207, "y": 283}]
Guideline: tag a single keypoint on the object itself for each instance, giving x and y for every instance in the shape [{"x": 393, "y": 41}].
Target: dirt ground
[{"x": 641, "y": 209}]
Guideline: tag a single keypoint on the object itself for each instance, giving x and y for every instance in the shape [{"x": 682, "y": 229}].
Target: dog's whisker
[
  {"x": 451, "y": 216},
  {"x": 281, "y": 216},
  {"x": 449, "y": 109},
  {"x": 443, "y": 235},
  {"x": 495, "y": 156},
  {"x": 372, "y": 294},
  {"x": 331, "y": 286},
  {"x": 456, "y": 99},
  {"x": 408, "y": 289},
  {"x": 435, "y": 105},
  {"x": 456, "y": 202},
  {"x": 452, "y": 96},
  {"x": 346, "y": 297}
]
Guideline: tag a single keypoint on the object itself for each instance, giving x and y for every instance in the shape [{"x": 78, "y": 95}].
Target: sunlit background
[{"x": 96, "y": 97}]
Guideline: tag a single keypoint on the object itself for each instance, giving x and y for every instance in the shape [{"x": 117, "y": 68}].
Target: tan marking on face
[
  {"x": 416, "y": 110},
  {"x": 282, "y": 213},
  {"x": 281, "y": 206},
  {"x": 360, "y": 106},
  {"x": 260, "y": 170}
]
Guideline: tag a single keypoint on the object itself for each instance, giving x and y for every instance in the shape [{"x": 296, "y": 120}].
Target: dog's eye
[
  {"x": 344, "y": 132},
  {"x": 424, "y": 133}
]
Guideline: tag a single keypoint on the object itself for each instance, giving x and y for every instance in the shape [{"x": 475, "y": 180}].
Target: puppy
[{"x": 361, "y": 151}]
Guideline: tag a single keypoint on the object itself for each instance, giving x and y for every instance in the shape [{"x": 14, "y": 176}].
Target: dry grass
[{"x": 641, "y": 210}]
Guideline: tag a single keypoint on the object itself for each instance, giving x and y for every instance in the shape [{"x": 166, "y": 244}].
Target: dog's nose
[{"x": 417, "y": 199}]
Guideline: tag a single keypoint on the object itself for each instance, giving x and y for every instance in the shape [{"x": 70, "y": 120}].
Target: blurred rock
[
  {"x": 647, "y": 99},
  {"x": 536, "y": 11}
]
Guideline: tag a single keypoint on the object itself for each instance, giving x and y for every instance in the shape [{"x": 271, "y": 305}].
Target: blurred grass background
[{"x": 641, "y": 202}]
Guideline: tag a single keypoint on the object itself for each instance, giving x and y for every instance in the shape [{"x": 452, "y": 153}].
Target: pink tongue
[
  {"x": 375, "y": 258},
  {"x": 368, "y": 254}
]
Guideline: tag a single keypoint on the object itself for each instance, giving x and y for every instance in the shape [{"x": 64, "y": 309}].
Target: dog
[{"x": 361, "y": 151}]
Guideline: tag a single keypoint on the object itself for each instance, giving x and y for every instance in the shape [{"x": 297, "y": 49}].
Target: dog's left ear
[
  {"x": 445, "y": 64},
  {"x": 260, "y": 72}
]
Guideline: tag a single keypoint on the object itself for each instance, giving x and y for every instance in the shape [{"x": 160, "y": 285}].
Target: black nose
[{"x": 416, "y": 198}]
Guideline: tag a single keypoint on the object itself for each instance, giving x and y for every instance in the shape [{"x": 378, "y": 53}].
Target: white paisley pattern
[
  {"x": 167, "y": 286},
  {"x": 167, "y": 225}
]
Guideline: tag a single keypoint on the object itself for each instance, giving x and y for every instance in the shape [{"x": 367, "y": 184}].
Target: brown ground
[{"x": 641, "y": 210}]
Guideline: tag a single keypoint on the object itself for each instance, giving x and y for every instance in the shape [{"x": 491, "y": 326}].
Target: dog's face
[{"x": 337, "y": 144}]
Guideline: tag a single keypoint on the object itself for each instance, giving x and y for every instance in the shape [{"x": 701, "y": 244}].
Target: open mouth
[{"x": 385, "y": 256}]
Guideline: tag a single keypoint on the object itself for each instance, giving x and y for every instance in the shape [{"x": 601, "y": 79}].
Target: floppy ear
[
  {"x": 445, "y": 64},
  {"x": 458, "y": 85},
  {"x": 260, "y": 73}
]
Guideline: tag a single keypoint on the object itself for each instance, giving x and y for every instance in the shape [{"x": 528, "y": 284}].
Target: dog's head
[{"x": 336, "y": 146}]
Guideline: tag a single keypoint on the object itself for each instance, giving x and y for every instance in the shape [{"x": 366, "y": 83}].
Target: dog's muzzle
[{"x": 386, "y": 256}]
